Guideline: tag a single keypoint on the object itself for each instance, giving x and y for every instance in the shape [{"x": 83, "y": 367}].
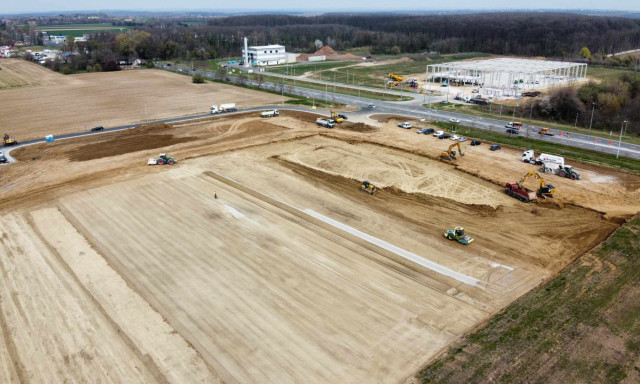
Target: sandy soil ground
[
  {"x": 79, "y": 102},
  {"x": 275, "y": 280}
]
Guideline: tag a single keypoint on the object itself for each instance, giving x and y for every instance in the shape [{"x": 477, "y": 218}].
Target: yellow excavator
[
  {"x": 545, "y": 190},
  {"x": 335, "y": 117},
  {"x": 368, "y": 187},
  {"x": 450, "y": 154}
]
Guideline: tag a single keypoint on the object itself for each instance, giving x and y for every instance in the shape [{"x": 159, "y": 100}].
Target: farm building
[{"x": 506, "y": 76}]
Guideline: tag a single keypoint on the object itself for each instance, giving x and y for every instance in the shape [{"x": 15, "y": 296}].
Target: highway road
[{"x": 411, "y": 109}]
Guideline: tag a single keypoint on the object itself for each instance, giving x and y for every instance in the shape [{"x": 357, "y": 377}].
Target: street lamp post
[
  {"x": 620, "y": 140},
  {"x": 591, "y": 121}
]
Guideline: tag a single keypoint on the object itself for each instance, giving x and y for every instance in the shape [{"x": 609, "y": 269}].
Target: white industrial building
[
  {"x": 506, "y": 76},
  {"x": 265, "y": 55}
]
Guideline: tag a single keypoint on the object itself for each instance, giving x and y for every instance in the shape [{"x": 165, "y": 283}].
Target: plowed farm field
[
  {"x": 58, "y": 104},
  {"x": 256, "y": 258}
]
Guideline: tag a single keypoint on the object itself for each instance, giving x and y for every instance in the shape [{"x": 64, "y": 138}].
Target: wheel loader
[{"x": 8, "y": 141}]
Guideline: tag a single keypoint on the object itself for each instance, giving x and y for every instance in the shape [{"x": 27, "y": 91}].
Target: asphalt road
[{"x": 412, "y": 108}]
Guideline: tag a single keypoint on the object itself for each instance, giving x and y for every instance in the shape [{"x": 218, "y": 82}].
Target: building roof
[{"x": 273, "y": 46}]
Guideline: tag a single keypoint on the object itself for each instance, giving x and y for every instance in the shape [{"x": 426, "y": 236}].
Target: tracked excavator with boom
[
  {"x": 450, "y": 154},
  {"x": 520, "y": 192},
  {"x": 335, "y": 117}
]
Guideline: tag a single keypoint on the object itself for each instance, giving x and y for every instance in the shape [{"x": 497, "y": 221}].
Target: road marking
[{"x": 397, "y": 250}]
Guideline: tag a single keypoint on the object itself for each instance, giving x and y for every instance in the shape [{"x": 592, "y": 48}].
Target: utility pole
[
  {"x": 501, "y": 110},
  {"x": 591, "y": 122},
  {"x": 576, "y": 123},
  {"x": 531, "y": 113},
  {"x": 620, "y": 140}
]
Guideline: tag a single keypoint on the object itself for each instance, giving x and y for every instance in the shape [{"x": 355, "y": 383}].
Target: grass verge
[
  {"x": 581, "y": 326},
  {"x": 584, "y": 155}
]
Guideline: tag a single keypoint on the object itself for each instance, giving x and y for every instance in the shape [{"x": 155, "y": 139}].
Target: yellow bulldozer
[
  {"x": 368, "y": 187},
  {"x": 450, "y": 154}
]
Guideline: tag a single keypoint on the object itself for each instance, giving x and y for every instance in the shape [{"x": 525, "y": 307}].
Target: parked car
[
  {"x": 475, "y": 90},
  {"x": 454, "y": 120},
  {"x": 438, "y": 133},
  {"x": 3, "y": 159},
  {"x": 476, "y": 142},
  {"x": 462, "y": 139},
  {"x": 426, "y": 131},
  {"x": 405, "y": 125},
  {"x": 444, "y": 102},
  {"x": 371, "y": 106},
  {"x": 98, "y": 128},
  {"x": 455, "y": 137},
  {"x": 513, "y": 131},
  {"x": 422, "y": 130},
  {"x": 495, "y": 147},
  {"x": 445, "y": 136}
]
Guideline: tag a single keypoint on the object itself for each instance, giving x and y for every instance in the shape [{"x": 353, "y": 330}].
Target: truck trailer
[
  {"x": 230, "y": 107},
  {"x": 327, "y": 123}
]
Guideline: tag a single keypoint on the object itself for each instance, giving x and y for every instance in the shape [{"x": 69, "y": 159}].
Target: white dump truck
[
  {"x": 270, "y": 113},
  {"x": 231, "y": 107},
  {"x": 528, "y": 156},
  {"x": 327, "y": 123}
]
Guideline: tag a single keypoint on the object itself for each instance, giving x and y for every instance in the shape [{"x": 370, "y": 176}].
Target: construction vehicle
[
  {"x": 270, "y": 113},
  {"x": 450, "y": 154},
  {"x": 335, "y": 117},
  {"x": 327, "y": 123},
  {"x": 560, "y": 170},
  {"x": 8, "y": 141},
  {"x": 368, "y": 187},
  {"x": 458, "y": 235},
  {"x": 519, "y": 191},
  {"x": 528, "y": 156},
  {"x": 162, "y": 159},
  {"x": 231, "y": 107},
  {"x": 545, "y": 131},
  {"x": 395, "y": 80}
]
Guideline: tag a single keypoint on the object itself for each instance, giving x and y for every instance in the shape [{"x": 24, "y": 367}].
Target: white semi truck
[
  {"x": 327, "y": 123},
  {"x": 231, "y": 107},
  {"x": 528, "y": 156},
  {"x": 270, "y": 113}
]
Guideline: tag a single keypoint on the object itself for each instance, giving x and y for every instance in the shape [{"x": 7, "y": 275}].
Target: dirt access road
[
  {"x": 295, "y": 276},
  {"x": 58, "y": 104}
]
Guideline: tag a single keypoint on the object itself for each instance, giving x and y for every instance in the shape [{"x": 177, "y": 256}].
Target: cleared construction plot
[
  {"x": 75, "y": 103},
  {"x": 292, "y": 274}
]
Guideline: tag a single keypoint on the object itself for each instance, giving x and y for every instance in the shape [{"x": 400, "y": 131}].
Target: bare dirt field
[
  {"x": 19, "y": 73},
  {"x": 292, "y": 274},
  {"x": 65, "y": 104}
]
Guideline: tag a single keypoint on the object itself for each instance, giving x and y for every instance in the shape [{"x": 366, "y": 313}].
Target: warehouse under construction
[{"x": 506, "y": 76}]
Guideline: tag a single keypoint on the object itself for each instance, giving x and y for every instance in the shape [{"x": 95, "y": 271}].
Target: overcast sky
[{"x": 22, "y": 6}]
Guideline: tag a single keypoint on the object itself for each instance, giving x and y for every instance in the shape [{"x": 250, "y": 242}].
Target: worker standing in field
[{"x": 215, "y": 195}]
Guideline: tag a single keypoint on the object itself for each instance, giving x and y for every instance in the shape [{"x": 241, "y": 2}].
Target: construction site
[{"x": 248, "y": 251}]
